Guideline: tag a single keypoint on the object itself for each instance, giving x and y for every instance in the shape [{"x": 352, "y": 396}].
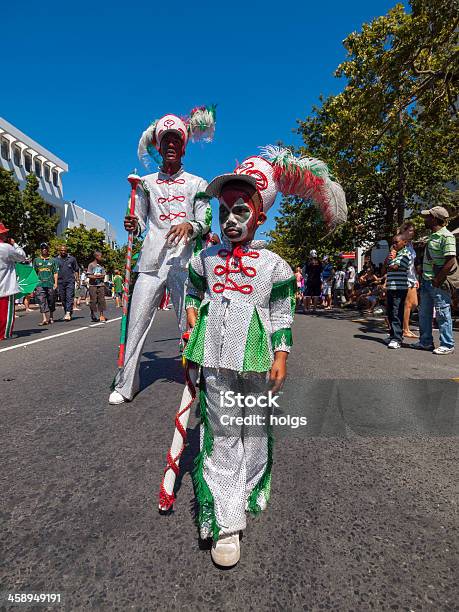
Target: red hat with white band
[{"x": 198, "y": 125}]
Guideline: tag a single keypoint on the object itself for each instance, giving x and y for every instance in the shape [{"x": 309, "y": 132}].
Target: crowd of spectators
[
  {"x": 398, "y": 287},
  {"x": 60, "y": 280}
]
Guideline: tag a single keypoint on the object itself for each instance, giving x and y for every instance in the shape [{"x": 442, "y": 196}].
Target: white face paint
[{"x": 235, "y": 218}]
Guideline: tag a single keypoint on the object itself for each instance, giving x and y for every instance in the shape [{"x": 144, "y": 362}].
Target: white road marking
[{"x": 70, "y": 331}]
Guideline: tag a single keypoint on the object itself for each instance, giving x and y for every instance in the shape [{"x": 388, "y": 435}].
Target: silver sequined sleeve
[
  {"x": 196, "y": 282},
  {"x": 202, "y": 211},
  {"x": 142, "y": 204},
  {"x": 282, "y": 306}
]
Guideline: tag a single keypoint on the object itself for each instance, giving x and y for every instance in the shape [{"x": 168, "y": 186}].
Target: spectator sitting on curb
[{"x": 46, "y": 269}]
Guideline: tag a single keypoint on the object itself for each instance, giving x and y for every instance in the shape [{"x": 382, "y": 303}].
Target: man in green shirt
[
  {"x": 118, "y": 288},
  {"x": 439, "y": 260},
  {"x": 46, "y": 269}
]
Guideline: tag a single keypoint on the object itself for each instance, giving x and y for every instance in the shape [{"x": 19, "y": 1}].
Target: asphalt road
[{"x": 363, "y": 508}]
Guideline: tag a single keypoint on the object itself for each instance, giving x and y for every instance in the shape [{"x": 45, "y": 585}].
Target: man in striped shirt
[
  {"x": 398, "y": 265},
  {"x": 439, "y": 261}
]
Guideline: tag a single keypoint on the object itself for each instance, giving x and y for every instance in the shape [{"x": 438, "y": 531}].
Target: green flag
[{"x": 27, "y": 279}]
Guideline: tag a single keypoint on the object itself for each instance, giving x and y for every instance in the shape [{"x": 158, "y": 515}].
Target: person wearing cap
[
  {"x": 46, "y": 269},
  {"x": 240, "y": 306},
  {"x": 10, "y": 253},
  {"x": 172, "y": 206},
  {"x": 439, "y": 261}
]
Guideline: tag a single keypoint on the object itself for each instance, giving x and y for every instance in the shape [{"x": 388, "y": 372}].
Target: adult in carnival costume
[
  {"x": 174, "y": 206},
  {"x": 240, "y": 306}
]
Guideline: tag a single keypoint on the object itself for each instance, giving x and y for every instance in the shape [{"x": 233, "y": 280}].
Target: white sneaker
[
  {"x": 116, "y": 398},
  {"x": 67, "y": 316},
  {"x": 226, "y": 551},
  {"x": 443, "y": 350},
  {"x": 393, "y": 344}
]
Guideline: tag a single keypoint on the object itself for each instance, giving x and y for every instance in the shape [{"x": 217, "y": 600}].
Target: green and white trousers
[{"x": 232, "y": 472}]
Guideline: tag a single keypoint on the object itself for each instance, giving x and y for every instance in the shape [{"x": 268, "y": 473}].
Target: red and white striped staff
[
  {"x": 134, "y": 180},
  {"x": 166, "y": 491}
]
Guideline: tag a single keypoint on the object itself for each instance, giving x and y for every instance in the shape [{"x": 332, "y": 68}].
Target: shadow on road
[
  {"x": 160, "y": 368},
  {"x": 371, "y": 338}
]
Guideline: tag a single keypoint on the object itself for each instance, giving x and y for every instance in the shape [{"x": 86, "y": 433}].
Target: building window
[
  {"x": 47, "y": 174},
  {"x": 38, "y": 168},
  {"x": 5, "y": 148},
  {"x": 28, "y": 162},
  {"x": 17, "y": 156},
  {"x": 55, "y": 178}
]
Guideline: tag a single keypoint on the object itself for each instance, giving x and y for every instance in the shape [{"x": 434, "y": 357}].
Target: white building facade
[{"x": 23, "y": 156}]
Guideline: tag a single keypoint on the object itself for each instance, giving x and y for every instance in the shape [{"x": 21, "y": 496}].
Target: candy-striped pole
[
  {"x": 134, "y": 180},
  {"x": 166, "y": 491}
]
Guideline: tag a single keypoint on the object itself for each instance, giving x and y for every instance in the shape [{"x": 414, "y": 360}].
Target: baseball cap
[
  {"x": 313, "y": 253},
  {"x": 437, "y": 211},
  {"x": 44, "y": 245}
]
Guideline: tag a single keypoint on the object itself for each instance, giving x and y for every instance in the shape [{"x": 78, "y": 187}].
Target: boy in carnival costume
[
  {"x": 240, "y": 305},
  {"x": 174, "y": 206}
]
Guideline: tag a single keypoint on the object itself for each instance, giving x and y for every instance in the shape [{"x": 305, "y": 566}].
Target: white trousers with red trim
[
  {"x": 146, "y": 297},
  {"x": 6, "y": 316}
]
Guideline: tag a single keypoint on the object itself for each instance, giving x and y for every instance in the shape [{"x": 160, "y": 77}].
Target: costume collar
[{"x": 172, "y": 176}]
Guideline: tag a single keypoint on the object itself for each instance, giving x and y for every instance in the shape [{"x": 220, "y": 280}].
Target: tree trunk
[{"x": 401, "y": 179}]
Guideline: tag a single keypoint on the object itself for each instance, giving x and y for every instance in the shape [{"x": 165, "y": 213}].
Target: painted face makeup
[{"x": 237, "y": 215}]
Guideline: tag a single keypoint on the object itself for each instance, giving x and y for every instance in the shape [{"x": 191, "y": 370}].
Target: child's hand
[
  {"x": 191, "y": 316},
  {"x": 278, "y": 372}
]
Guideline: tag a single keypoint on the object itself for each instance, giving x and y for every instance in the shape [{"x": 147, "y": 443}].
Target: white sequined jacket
[
  {"x": 164, "y": 200},
  {"x": 246, "y": 302}
]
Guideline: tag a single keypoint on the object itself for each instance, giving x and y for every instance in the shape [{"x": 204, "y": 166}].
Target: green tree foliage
[
  {"x": 11, "y": 206},
  {"x": 39, "y": 224},
  {"x": 118, "y": 256},
  {"x": 27, "y": 216},
  {"x": 82, "y": 242},
  {"x": 390, "y": 137}
]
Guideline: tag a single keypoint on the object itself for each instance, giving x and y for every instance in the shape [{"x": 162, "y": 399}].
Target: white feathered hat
[
  {"x": 198, "y": 125},
  {"x": 278, "y": 170}
]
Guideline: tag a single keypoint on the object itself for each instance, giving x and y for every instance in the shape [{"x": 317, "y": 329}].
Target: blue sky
[{"x": 85, "y": 79}]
